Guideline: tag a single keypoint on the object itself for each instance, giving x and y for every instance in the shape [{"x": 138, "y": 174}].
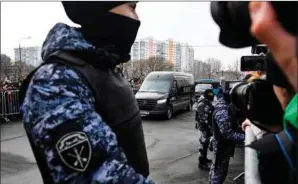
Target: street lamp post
[{"x": 20, "y": 56}]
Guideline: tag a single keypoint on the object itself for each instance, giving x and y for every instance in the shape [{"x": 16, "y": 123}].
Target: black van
[{"x": 164, "y": 93}]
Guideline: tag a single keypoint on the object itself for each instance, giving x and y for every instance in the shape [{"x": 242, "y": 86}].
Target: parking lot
[{"x": 171, "y": 146}]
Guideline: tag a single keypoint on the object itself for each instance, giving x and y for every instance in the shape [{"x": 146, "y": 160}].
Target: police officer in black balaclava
[
  {"x": 113, "y": 31},
  {"x": 80, "y": 114},
  {"x": 204, "y": 118}
]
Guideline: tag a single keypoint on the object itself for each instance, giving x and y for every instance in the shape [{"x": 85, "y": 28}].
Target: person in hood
[
  {"x": 203, "y": 118},
  {"x": 79, "y": 113}
]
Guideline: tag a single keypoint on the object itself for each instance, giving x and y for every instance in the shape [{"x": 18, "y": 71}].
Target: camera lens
[
  {"x": 239, "y": 95},
  {"x": 266, "y": 108}
]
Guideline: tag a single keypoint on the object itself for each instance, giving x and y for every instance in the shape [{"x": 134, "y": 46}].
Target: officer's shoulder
[
  {"x": 54, "y": 71},
  {"x": 220, "y": 109},
  {"x": 201, "y": 104}
]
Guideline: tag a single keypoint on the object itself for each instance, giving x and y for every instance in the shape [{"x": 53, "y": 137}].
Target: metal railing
[
  {"x": 9, "y": 104},
  {"x": 252, "y": 175}
]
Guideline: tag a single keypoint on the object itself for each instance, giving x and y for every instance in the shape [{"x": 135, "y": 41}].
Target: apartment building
[
  {"x": 29, "y": 55},
  {"x": 187, "y": 58},
  {"x": 179, "y": 54}
]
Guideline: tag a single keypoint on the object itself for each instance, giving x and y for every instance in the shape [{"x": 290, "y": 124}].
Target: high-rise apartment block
[
  {"x": 29, "y": 55},
  {"x": 181, "y": 55}
]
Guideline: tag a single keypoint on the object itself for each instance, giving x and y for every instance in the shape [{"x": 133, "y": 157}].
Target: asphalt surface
[{"x": 171, "y": 146}]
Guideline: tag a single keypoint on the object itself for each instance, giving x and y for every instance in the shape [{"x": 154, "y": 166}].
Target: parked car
[
  {"x": 200, "y": 88},
  {"x": 164, "y": 93}
]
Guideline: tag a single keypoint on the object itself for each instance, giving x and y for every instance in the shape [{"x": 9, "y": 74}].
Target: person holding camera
[
  {"x": 268, "y": 146},
  {"x": 244, "y": 24},
  {"x": 268, "y": 28},
  {"x": 204, "y": 117},
  {"x": 225, "y": 139},
  {"x": 277, "y": 28},
  {"x": 79, "y": 112}
]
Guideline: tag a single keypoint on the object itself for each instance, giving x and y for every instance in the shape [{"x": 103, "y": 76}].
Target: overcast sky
[{"x": 189, "y": 22}]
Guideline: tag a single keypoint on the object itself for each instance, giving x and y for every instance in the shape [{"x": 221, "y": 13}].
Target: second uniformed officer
[
  {"x": 204, "y": 118},
  {"x": 225, "y": 139},
  {"x": 80, "y": 114}
]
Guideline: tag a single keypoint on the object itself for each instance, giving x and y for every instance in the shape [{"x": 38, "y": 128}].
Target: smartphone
[{"x": 252, "y": 63}]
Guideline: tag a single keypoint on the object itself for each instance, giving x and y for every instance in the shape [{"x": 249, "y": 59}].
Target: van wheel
[
  {"x": 189, "y": 107},
  {"x": 169, "y": 113}
]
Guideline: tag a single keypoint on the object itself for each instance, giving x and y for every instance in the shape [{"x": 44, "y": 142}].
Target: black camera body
[
  {"x": 255, "y": 62},
  {"x": 259, "y": 102},
  {"x": 234, "y": 21},
  {"x": 257, "y": 99}
]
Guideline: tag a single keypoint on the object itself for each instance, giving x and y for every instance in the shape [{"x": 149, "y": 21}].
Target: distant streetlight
[{"x": 20, "y": 53}]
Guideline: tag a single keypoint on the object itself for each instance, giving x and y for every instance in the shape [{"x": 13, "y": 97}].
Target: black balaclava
[
  {"x": 226, "y": 96},
  {"x": 102, "y": 28},
  {"x": 208, "y": 94}
]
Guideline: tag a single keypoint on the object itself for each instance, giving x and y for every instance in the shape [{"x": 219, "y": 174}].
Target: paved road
[{"x": 171, "y": 145}]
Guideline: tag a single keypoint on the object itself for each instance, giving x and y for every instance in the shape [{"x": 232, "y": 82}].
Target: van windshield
[
  {"x": 202, "y": 87},
  {"x": 158, "y": 86}
]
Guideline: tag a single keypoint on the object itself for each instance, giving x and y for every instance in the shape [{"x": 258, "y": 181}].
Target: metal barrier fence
[
  {"x": 252, "y": 175},
  {"x": 9, "y": 103}
]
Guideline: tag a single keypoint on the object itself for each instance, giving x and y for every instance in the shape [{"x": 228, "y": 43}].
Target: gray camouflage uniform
[
  {"x": 56, "y": 96},
  {"x": 203, "y": 117},
  {"x": 221, "y": 117}
]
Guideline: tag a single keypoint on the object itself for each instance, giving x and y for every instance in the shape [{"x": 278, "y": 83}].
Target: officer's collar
[{"x": 100, "y": 58}]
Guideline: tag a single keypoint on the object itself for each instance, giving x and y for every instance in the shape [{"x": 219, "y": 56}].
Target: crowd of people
[
  {"x": 7, "y": 84},
  {"x": 135, "y": 83},
  {"x": 82, "y": 119},
  {"x": 9, "y": 105}
]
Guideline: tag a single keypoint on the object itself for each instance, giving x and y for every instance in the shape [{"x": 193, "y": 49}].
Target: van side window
[
  {"x": 174, "y": 86},
  {"x": 186, "y": 86},
  {"x": 180, "y": 85}
]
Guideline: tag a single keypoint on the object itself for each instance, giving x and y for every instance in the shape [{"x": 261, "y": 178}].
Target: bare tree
[
  {"x": 207, "y": 73},
  {"x": 126, "y": 69},
  {"x": 213, "y": 67},
  {"x": 139, "y": 69},
  {"x": 216, "y": 66},
  {"x": 5, "y": 65},
  {"x": 158, "y": 64},
  {"x": 197, "y": 69},
  {"x": 234, "y": 70}
]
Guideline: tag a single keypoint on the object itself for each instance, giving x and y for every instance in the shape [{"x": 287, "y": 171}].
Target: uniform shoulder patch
[{"x": 74, "y": 150}]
